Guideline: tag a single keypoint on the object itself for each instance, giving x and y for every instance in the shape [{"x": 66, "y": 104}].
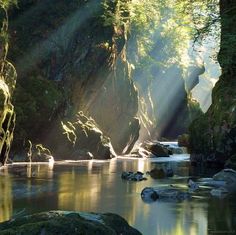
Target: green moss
[
  {"x": 67, "y": 223},
  {"x": 37, "y": 102}
]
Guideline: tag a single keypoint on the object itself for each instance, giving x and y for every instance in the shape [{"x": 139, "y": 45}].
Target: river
[{"x": 96, "y": 186}]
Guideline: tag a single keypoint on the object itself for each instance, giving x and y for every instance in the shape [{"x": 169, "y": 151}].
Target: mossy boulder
[
  {"x": 157, "y": 149},
  {"x": 67, "y": 223}
]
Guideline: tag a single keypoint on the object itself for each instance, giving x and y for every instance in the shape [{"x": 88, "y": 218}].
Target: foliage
[
  {"x": 204, "y": 15},
  {"x": 116, "y": 12}
]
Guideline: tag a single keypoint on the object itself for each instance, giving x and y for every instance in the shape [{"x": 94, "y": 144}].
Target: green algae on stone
[{"x": 67, "y": 223}]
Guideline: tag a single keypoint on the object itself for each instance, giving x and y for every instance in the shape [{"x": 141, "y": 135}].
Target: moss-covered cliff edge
[
  {"x": 213, "y": 135},
  {"x": 71, "y": 57},
  {"x": 7, "y": 86}
]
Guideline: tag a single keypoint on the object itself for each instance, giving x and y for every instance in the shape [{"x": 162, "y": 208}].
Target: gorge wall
[
  {"x": 71, "y": 57},
  {"x": 213, "y": 135},
  {"x": 7, "y": 86}
]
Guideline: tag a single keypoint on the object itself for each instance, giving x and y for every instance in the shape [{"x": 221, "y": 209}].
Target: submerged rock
[
  {"x": 161, "y": 173},
  {"x": 229, "y": 177},
  {"x": 67, "y": 223},
  {"x": 133, "y": 176},
  {"x": 151, "y": 194},
  {"x": 193, "y": 186},
  {"x": 219, "y": 192},
  {"x": 157, "y": 173}
]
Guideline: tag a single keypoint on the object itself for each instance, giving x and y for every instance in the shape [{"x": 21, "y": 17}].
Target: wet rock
[
  {"x": 133, "y": 176},
  {"x": 231, "y": 162},
  {"x": 43, "y": 158},
  {"x": 80, "y": 140},
  {"x": 161, "y": 173},
  {"x": 141, "y": 152},
  {"x": 152, "y": 194},
  {"x": 157, "y": 173},
  {"x": 149, "y": 194},
  {"x": 66, "y": 222},
  {"x": 193, "y": 186},
  {"x": 229, "y": 177},
  {"x": 169, "y": 172},
  {"x": 157, "y": 149},
  {"x": 219, "y": 192},
  {"x": 183, "y": 140},
  {"x": 82, "y": 154}
]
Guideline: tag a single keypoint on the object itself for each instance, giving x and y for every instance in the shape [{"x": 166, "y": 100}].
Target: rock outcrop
[
  {"x": 75, "y": 60},
  {"x": 7, "y": 86},
  {"x": 80, "y": 140},
  {"x": 214, "y": 133},
  {"x": 65, "y": 222}
]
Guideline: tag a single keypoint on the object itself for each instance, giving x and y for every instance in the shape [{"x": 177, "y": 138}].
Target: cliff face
[
  {"x": 214, "y": 134},
  {"x": 7, "y": 86},
  {"x": 71, "y": 57}
]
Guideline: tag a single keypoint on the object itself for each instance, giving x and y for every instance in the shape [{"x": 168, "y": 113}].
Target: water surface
[{"x": 96, "y": 186}]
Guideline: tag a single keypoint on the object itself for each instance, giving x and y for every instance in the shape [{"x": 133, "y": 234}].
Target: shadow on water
[{"x": 97, "y": 186}]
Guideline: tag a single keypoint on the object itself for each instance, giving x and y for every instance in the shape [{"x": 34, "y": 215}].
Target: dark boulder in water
[
  {"x": 160, "y": 173},
  {"x": 157, "y": 173},
  {"x": 133, "y": 176},
  {"x": 149, "y": 194}
]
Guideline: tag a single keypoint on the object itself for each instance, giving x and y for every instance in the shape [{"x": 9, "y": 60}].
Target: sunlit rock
[
  {"x": 157, "y": 149},
  {"x": 7, "y": 86},
  {"x": 80, "y": 140}
]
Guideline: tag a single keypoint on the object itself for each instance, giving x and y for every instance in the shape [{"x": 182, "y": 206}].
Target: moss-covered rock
[
  {"x": 7, "y": 121},
  {"x": 79, "y": 140},
  {"x": 37, "y": 102},
  {"x": 214, "y": 133},
  {"x": 7, "y": 86},
  {"x": 67, "y": 223}
]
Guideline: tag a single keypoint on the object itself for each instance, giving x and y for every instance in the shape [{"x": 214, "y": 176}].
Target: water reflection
[
  {"x": 97, "y": 186},
  {"x": 6, "y": 207}
]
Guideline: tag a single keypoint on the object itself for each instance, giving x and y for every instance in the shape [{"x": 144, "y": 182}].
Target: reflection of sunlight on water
[
  {"x": 97, "y": 186},
  {"x": 78, "y": 192},
  {"x": 6, "y": 209}
]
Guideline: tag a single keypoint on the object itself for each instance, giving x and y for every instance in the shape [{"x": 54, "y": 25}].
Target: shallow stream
[{"x": 96, "y": 186}]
